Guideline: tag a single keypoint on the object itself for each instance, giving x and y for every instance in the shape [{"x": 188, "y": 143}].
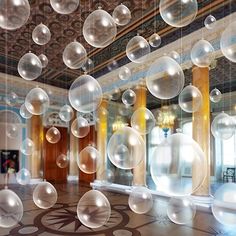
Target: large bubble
[
  {"x": 88, "y": 66},
  {"x": 202, "y": 53},
  {"x": 11, "y": 99},
  {"x": 224, "y": 204},
  {"x": 178, "y": 13},
  {"x": 27, "y": 147},
  {"x": 64, "y": 7},
  {"x": 155, "y": 40},
  {"x": 53, "y": 135},
  {"x": 11, "y": 209},
  {"x": 93, "y": 209},
  {"x": 121, "y": 15},
  {"x": 124, "y": 73},
  {"x": 41, "y": 34},
  {"x": 215, "y": 95},
  {"x": 45, "y": 195},
  {"x": 44, "y": 60},
  {"x": 99, "y": 29},
  {"x": 23, "y": 176},
  {"x": 190, "y": 99},
  {"x": 210, "y": 22},
  {"x": 143, "y": 120},
  {"x": 126, "y": 148},
  {"x": 24, "y": 112},
  {"x": 129, "y": 97},
  {"x": 137, "y": 49},
  {"x": 14, "y": 14},
  {"x": 228, "y": 42},
  {"x": 85, "y": 94},
  {"x": 223, "y": 126},
  {"x": 74, "y": 55},
  {"x": 181, "y": 210},
  {"x": 140, "y": 200},
  {"x": 165, "y": 78},
  {"x": 177, "y": 154},
  {"x": 66, "y": 113},
  {"x": 12, "y": 130},
  {"x": 62, "y": 161},
  {"x": 80, "y": 127},
  {"x": 29, "y": 66}
]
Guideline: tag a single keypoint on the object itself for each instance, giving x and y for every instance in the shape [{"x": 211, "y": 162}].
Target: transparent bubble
[
  {"x": 74, "y": 55},
  {"x": 215, "y": 95},
  {"x": 11, "y": 99},
  {"x": 62, "y": 161},
  {"x": 88, "y": 160},
  {"x": 80, "y": 127},
  {"x": 140, "y": 200},
  {"x": 224, "y": 207},
  {"x": 143, "y": 120},
  {"x": 223, "y": 126},
  {"x": 45, "y": 195},
  {"x": 85, "y": 94},
  {"x": 108, "y": 176},
  {"x": 23, "y": 176},
  {"x": 29, "y": 66},
  {"x": 155, "y": 40},
  {"x": 177, "y": 153},
  {"x": 202, "y": 53},
  {"x": 11, "y": 209},
  {"x": 190, "y": 99},
  {"x": 88, "y": 65},
  {"x": 126, "y": 148},
  {"x": 129, "y": 97},
  {"x": 53, "y": 135},
  {"x": 138, "y": 49},
  {"x": 44, "y": 60},
  {"x": 165, "y": 78},
  {"x": 24, "y": 112},
  {"x": 99, "y": 29},
  {"x": 121, "y": 15},
  {"x": 64, "y": 7},
  {"x": 27, "y": 147},
  {"x": 112, "y": 65},
  {"x": 124, "y": 110},
  {"x": 93, "y": 209},
  {"x": 41, "y": 34},
  {"x": 175, "y": 55},
  {"x": 14, "y": 14},
  {"x": 181, "y": 210},
  {"x": 228, "y": 43},
  {"x": 116, "y": 94},
  {"x": 37, "y": 101},
  {"x": 210, "y": 22},
  {"x": 124, "y": 73},
  {"x": 178, "y": 13},
  {"x": 66, "y": 113},
  {"x": 12, "y": 130}
]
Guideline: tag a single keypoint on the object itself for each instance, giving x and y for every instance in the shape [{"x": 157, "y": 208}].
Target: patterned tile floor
[{"x": 62, "y": 218}]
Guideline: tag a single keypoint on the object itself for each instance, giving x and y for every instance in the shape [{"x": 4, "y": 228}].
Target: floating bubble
[
  {"x": 177, "y": 153},
  {"x": 29, "y": 66},
  {"x": 178, "y": 13},
  {"x": 228, "y": 43},
  {"x": 37, "y": 101},
  {"x": 121, "y": 15},
  {"x": 124, "y": 110},
  {"x": 62, "y": 161},
  {"x": 88, "y": 65},
  {"x": 126, "y": 148},
  {"x": 27, "y": 147},
  {"x": 129, "y": 97},
  {"x": 108, "y": 176},
  {"x": 112, "y": 65},
  {"x": 143, "y": 120},
  {"x": 190, "y": 99},
  {"x": 140, "y": 200},
  {"x": 24, "y": 112},
  {"x": 11, "y": 209},
  {"x": 64, "y": 7},
  {"x": 66, "y": 113},
  {"x": 23, "y": 177},
  {"x": 124, "y": 73},
  {"x": 181, "y": 210},
  {"x": 85, "y": 94},
  {"x": 74, "y": 55},
  {"x": 11, "y": 99},
  {"x": 210, "y": 22},
  {"x": 80, "y": 127},
  {"x": 137, "y": 49},
  {"x": 175, "y": 55},
  {"x": 223, "y": 126},
  {"x": 215, "y": 95},
  {"x": 155, "y": 40},
  {"x": 44, "y": 60},
  {"x": 88, "y": 160},
  {"x": 223, "y": 207},
  {"x": 202, "y": 53},
  {"x": 53, "y": 135},
  {"x": 99, "y": 29},
  {"x": 12, "y": 130},
  {"x": 41, "y": 34},
  {"x": 165, "y": 78},
  {"x": 93, "y": 209},
  {"x": 14, "y": 14},
  {"x": 116, "y": 94},
  {"x": 45, "y": 195}
]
